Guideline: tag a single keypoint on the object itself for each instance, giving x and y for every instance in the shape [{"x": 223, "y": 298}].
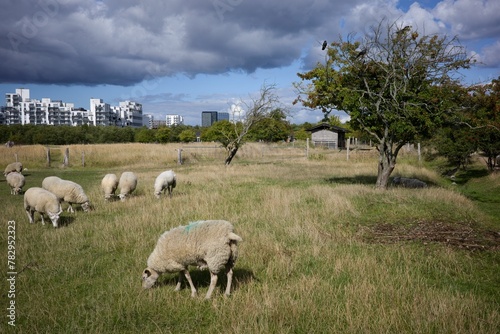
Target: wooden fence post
[
  {"x": 15, "y": 154},
  {"x": 48, "y": 156},
  {"x": 179, "y": 156},
  {"x": 83, "y": 158},
  {"x": 66, "y": 157},
  {"x": 307, "y": 148},
  {"x": 348, "y": 143}
]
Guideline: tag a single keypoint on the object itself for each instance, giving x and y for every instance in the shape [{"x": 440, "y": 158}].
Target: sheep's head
[
  {"x": 149, "y": 277},
  {"x": 87, "y": 206},
  {"x": 54, "y": 217}
]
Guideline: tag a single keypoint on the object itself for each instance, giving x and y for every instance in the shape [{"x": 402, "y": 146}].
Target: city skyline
[
  {"x": 182, "y": 57},
  {"x": 21, "y": 102}
]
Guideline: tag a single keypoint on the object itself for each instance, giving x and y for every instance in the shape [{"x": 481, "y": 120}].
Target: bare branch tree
[{"x": 245, "y": 118}]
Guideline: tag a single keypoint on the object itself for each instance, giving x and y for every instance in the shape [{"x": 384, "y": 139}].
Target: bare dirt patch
[{"x": 457, "y": 235}]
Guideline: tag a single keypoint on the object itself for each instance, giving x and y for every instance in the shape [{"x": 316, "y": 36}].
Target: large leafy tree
[
  {"x": 395, "y": 85},
  {"x": 484, "y": 115}
]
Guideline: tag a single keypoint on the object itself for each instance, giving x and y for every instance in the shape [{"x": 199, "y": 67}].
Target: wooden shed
[{"x": 328, "y": 135}]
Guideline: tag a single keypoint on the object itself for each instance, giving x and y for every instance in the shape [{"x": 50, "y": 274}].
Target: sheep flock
[{"x": 210, "y": 244}]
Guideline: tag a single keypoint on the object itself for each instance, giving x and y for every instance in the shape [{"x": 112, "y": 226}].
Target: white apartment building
[
  {"x": 174, "y": 120},
  {"x": 100, "y": 113},
  {"x": 21, "y": 109},
  {"x": 130, "y": 114}
]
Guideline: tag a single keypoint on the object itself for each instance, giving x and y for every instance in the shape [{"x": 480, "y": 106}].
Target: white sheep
[
  {"x": 109, "y": 184},
  {"x": 408, "y": 183},
  {"x": 42, "y": 201},
  {"x": 67, "y": 191},
  {"x": 13, "y": 167},
  {"x": 127, "y": 184},
  {"x": 208, "y": 244},
  {"x": 16, "y": 182},
  {"x": 166, "y": 181}
]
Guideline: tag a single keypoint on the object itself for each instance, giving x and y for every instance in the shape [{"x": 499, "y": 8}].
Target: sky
[{"x": 188, "y": 56}]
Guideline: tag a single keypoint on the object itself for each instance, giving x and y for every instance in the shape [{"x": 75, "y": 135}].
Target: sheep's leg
[
  {"x": 41, "y": 215},
  {"x": 70, "y": 208},
  {"x": 213, "y": 282},
  {"x": 179, "y": 281},
  {"x": 30, "y": 214},
  {"x": 188, "y": 277},
  {"x": 229, "y": 274}
]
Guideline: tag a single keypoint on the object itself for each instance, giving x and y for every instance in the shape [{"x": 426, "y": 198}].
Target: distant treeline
[{"x": 67, "y": 135}]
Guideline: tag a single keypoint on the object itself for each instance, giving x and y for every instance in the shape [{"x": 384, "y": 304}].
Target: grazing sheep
[
  {"x": 16, "y": 182},
  {"x": 109, "y": 184},
  {"x": 208, "y": 244},
  {"x": 42, "y": 201},
  {"x": 67, "y": 191},
  {"x": 127, "y": 184},
  {"x": 408, "y": 183},
  {"x": 166, "y": 181},
  {"x": 13, "y": 167}
]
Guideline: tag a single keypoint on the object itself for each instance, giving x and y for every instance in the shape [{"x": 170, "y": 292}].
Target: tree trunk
[
  {"x": 386, "y": 164},
  {"x": 230, "y": 155}
]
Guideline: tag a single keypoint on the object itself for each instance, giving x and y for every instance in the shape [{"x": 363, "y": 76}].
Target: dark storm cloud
[{"x": 123, "y": 42}]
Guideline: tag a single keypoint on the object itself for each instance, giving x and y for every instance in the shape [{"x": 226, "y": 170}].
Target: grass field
[{"x": 323, "y": 250}]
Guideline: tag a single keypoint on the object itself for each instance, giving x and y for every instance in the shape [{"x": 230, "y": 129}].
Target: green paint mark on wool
[{"x": 192, "y": 225}]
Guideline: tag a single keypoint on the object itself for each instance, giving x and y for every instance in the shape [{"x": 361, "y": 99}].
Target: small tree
[
  {"x": 232, "y": 135},
  {"x": 394, "y": 85}
]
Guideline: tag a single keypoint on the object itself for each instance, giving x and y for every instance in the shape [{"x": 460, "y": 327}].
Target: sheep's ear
[{"x": 146, "y": 273}]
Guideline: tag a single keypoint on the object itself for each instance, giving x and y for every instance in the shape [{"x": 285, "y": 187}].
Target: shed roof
[{"x": 323, "y": 126}]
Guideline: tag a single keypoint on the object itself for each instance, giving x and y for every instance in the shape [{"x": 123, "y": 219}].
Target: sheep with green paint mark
[{"x": 208, "y": 244}]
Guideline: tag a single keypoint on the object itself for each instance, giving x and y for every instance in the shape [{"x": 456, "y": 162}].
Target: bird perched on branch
[
  {"x": 404, "y": 30},
  {"x": 324, "y": 45},
  {"x": 362, "y": 53}
]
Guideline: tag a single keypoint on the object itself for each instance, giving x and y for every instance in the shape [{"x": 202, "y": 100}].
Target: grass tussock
[{"x": 323, "y": 250}]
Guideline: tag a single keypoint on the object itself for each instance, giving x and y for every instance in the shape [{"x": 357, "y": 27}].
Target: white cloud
[{"x": 470, "y": 18}]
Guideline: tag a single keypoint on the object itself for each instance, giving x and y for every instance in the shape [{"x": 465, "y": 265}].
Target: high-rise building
[
  {"x": 174, "y": 120},
  {"x": 223, "y": 116},
  {"x": 208, "y": 118}
]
